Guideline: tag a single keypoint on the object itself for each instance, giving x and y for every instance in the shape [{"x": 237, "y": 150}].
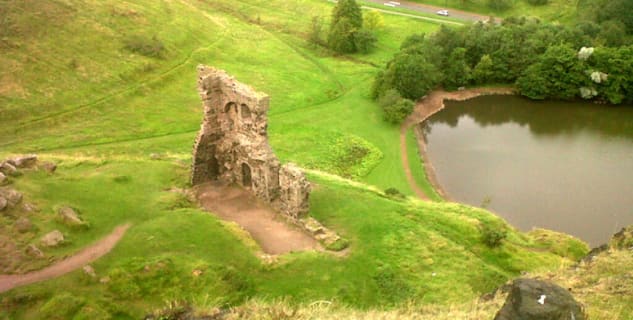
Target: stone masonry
[{"x": 232, "y": 145}]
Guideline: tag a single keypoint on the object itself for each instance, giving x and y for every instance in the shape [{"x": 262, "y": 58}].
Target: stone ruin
[{"x": 232, "y": 145}]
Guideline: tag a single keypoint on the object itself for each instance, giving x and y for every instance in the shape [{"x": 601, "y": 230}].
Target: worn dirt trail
[
  {"x": 274, "y": 235},
  {"x": 425, "y": 108},
  {"x": 74, "y": 262}
]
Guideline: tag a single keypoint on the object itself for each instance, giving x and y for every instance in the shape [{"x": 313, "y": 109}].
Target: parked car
[{"x": 443, "y": 13}]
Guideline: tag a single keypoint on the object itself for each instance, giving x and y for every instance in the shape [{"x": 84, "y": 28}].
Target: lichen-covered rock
[
  {"x": 69, "y": 216},
  {"x": 52, "y": 239},
  {"x": 8, "y": 169},
  {"x": 623, "y": 239},
  {"x": 34, "y": 251},
  {"x": 26, "y": 161},
  {"x": 12, "y": 196},
  {"x": 232, "y": 145},
  {"x": 23, "y": 224},
  {"x": 49, "y": 167},
  {"x": 532, "y": 299}
]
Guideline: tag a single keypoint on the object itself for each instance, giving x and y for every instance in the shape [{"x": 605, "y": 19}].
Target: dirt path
[
  {"x": 274, "y": 235},
  {"x": 425, "y": 108},
  {"x": 85, "y": 256}
]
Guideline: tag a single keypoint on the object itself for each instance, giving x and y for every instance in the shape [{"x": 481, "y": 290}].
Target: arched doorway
[{"x": 246, "y": 176}]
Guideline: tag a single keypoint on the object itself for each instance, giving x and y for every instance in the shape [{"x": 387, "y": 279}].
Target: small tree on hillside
[
  {"x": 346, "y": 34},
  {"x": 373, "y": 20}
]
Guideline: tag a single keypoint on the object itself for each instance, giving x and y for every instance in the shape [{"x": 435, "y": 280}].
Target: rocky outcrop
[
  {"x": 532, "y": 299},
  {"x": 27, "y": 161},
  {"x": 11, "y": 196},
  {"x": 23, "y": 225},
  {"x": 69, "y": 216},
  {"x": 232, "y": 145},
  {"x": 52, "y": 239}
]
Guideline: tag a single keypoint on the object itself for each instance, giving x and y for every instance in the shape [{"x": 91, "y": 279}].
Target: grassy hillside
[{"x": 107, "y": 90}]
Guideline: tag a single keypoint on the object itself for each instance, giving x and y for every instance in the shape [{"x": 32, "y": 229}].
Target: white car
[{"x": 443, "y": 13}]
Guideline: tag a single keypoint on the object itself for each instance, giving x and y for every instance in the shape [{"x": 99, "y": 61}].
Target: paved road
[{"x": 425, "y": 8}]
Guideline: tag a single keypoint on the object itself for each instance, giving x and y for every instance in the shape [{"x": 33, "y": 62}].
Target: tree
[
  {"x": 373, "y": 20},
  {"x": 394, "y": 106},
  {"x": 483, "y": 71},
  {"x": 364, "y": 41},
  {"x": 457, "y": 71},
  {"x": 350, "y": 10},
  {"x": 413, "y": 75},
  {"x": 316, "y": 31},
  {"x": 341, "y": 38}
]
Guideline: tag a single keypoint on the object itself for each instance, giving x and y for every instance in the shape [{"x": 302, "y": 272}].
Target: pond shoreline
[{"x": 428, "y": 106}]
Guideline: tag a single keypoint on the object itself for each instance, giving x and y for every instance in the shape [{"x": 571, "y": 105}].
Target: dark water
[{"x": 556, "y": 165}]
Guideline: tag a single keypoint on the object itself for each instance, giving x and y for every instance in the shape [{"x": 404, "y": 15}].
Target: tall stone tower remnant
[{"x": 232, "y": 145}]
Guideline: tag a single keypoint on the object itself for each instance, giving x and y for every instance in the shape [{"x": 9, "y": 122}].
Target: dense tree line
[{"x": 544, "y": 60}]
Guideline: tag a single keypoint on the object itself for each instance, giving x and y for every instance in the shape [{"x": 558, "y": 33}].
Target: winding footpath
[
  {"x": 426, "y": 107},
  {"x": 74, "y": 262}
]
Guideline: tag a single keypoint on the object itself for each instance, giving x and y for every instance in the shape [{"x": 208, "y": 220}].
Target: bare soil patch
[
  {"x": 270, "y": 231},
  {"x": 85, "y": 256}
]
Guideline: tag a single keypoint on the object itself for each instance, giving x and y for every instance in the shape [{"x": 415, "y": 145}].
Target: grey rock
[
  {"x": 13, "y": 197},
  {"x": 89, "y": 270},
  {"x": 3, "y": 178},
  {"x": 69, "y": 216},
  {"x": 52, "y": 239},
  {"x": 27, "y": 161},
  {"x": 3, "y": 203},
  {"x": 34, "y": 251},
  {"x": 532, "y": 299},
  {"x": 49, "y": 167},
  {"x": 8, "y": 169},
  {"x": 23, "y": 224}
]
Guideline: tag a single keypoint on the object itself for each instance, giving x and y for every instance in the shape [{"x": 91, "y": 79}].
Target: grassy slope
[{"x": 99, "y": 110}]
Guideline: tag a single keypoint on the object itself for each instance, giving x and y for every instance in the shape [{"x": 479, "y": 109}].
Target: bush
[
  {"x": 364, "y": 41},
  {"x": 394, "y": 106},
  {"x": 394, "y": 193},
  {"x": 493, "y": 234},
  {"x": 149, "y": 47}
]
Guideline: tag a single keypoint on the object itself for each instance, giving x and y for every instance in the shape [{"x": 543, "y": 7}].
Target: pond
[{"x": 557, "y": 165}]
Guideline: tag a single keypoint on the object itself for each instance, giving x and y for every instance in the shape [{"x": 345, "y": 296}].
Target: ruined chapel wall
[{"x": 232, "y": 145}]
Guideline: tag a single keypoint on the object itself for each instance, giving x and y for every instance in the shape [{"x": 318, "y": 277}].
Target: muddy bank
[{"x": 425, "y": 108}]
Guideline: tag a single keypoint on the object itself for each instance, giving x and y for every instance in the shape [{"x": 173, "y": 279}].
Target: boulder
[
  {"x": 532, "y": 299},
  {"x": 69, "y": 216},
  {"x": 3, "y": 178},
  {"x": 8, "y": 169},
  {"x": 23, "y": 225},
  {"x": 13, "y": 197},
  {"x": 49, "y": 167},
  {"x": 27, "y": 161},
  {"x": 90, "y": 271},
  {"x": 34, "y": 251},
  {"x": 52, "y": 239},
  {"x": 3, "y": 203}
]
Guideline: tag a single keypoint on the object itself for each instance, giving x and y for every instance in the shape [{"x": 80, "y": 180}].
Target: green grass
[
  {"x": 417, "y": 167},
  {"x": 75, "y": 94}
]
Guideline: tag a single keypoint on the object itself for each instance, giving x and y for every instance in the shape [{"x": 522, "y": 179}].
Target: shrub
[
  {"x": 394, "y": 106},
  {"x": 364, "y": 41},
  {"x": 493, "y": 234},
  {"x": 149, "y": 47},
  {"x": 394, "y": 193}
]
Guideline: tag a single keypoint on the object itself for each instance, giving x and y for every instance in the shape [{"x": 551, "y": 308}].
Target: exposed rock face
[
  {"x": 23, "y": 224},
  {"x": 52, "y": 239},
  {"x": 69, "y": 216},
  {"x": 232, "y": 145},
  {"x": 13, "y": 197},
  {"x": 8, "y": 169},
  {"x": 532, "y": 299},
  {"x": 27, "y": 161},
  {"x": 623, "y": 239}
]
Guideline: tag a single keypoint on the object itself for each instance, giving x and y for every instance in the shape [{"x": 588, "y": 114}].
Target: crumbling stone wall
[{"x": 232, "y": 145}]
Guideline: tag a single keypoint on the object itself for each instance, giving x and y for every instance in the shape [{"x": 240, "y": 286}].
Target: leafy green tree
[
  {"x": 316, "y": 31},
  {"x": 364, "y": 41},
  {"x": 373, "y": 20},
  {"x": 349, "y": 10},
  {"x": 341, "y": 37},
  {"x": 483, "y": 71},
  {"x": 457, "y": 71},
  {"x": 612, "y": 33},
  {"x": 413, "y": 75},
  {"x": 394, "y": 106}
]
